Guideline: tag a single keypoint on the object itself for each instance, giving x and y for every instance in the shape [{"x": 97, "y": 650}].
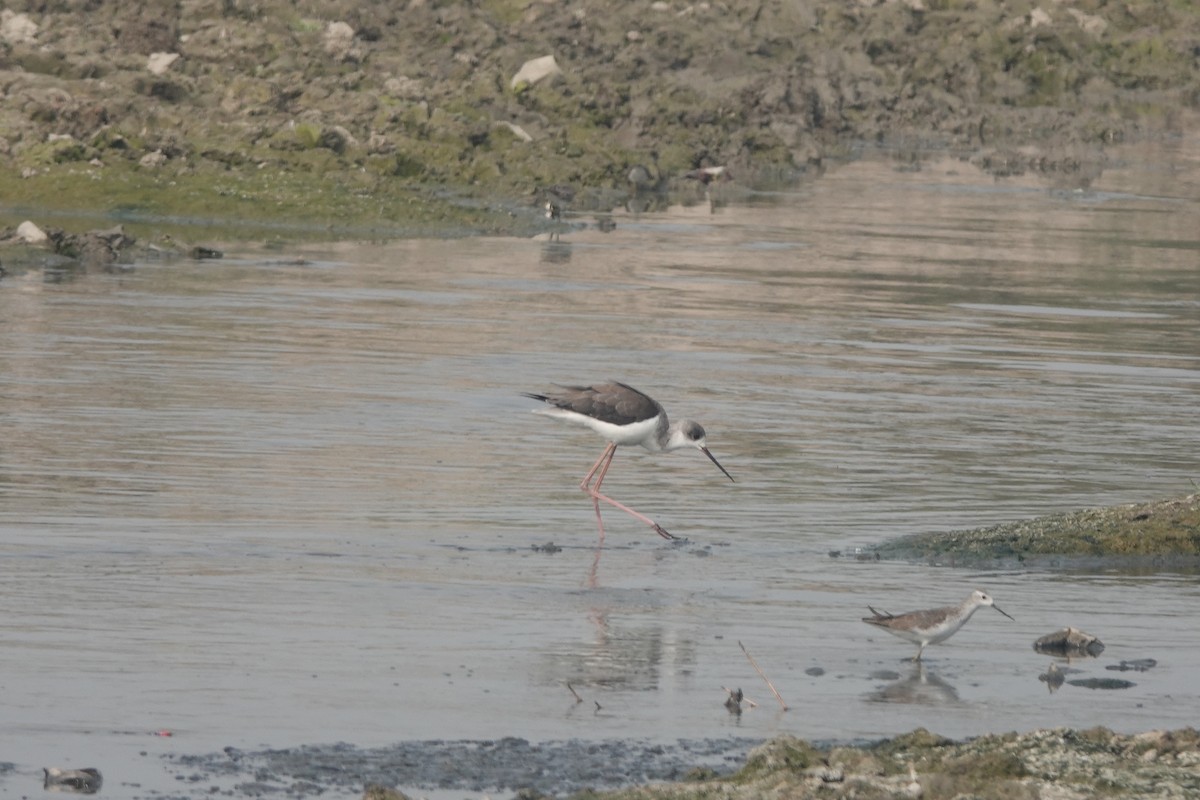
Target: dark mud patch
[
  {"x": 1154, "y": 764},
  {"x": 1159, "y": 536},
  {"x": 508, "y": 764},
  {"x": 1085, "y": 763}
]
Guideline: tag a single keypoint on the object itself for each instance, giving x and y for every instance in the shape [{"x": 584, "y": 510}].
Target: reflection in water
[
  {"x": 555, "y": 251},
  {"x": 638, "y": 204},
  {"x": 1053, "y": 677},
  {"x": 921, "y": 687},
  {"x": 593, "y": 580},
  {"x": 620, "y": 656}
]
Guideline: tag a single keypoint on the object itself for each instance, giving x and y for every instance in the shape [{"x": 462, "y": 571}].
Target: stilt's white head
[{"x": 687, "y": 433}]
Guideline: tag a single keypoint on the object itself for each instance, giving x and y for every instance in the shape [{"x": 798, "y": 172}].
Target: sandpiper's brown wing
[
  {"x": 879, "y": 618},
  {"x": 920, "y": 620},
  {"x": 612, "y": 402}
]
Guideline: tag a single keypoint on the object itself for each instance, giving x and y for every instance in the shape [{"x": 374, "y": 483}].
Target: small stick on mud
[
  {"x": 578, "y": 699},
  {"x": 770, "y": 685}
]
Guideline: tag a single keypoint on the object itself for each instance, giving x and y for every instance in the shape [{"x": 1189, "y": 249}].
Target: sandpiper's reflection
[
  {"x": 920, "y": 687},
  {"x": 555, "y": 251},
  {"x": 1053, "y": 677}
]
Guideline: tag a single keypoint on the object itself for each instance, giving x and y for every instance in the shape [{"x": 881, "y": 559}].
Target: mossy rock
[
  {"x": 785, "y": 753},
  {"x": 1164, "y": 532}
]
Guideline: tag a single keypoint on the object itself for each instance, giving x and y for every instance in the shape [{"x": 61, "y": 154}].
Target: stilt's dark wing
[{"x": 613, "y": 402}]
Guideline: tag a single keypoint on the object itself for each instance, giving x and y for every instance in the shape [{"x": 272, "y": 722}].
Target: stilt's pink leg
[
  {"x": 594, "y": 491},
  {"x": 604, "y": 470},
  {"x": 659, "y": 529},
  {"x": 608, "y": 453},
  {"x": 605, "y": 459}
]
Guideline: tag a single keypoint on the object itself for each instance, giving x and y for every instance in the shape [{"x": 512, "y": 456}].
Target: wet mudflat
[
  {"x": 269, "y": 504},
  {"x": 462, "y": 768}
]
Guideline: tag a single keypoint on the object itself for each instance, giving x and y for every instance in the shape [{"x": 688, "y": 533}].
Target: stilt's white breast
[{"x": 643, "y": 432}]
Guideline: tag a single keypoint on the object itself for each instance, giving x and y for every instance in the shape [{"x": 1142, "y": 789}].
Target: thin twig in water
[
  {"x": 770, "y": 685},
  {"x": 578, "y": 699}
]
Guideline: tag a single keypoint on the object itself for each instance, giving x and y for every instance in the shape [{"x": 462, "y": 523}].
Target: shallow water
[{"x": 261, "y": 502}]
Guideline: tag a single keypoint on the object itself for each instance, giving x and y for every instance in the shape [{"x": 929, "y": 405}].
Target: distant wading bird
[
  {"x": 622, "y": 415},
  {"x": 707, "y": 175},
  {"x": 934, "y": 625}
]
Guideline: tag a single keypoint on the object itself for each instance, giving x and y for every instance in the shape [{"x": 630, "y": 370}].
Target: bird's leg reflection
[
  {"x": 592, "y": 581},
  {"x": 555, "y": 251}
]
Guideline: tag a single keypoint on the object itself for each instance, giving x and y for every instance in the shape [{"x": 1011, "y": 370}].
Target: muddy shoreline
[
  {"x": 364, "y": 118},
  {"x": 1147, "y": 765},
  {"x": 510, "y": 764}
]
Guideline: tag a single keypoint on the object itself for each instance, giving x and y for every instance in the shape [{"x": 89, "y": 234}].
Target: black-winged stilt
[{"x": 623, "y": 415}]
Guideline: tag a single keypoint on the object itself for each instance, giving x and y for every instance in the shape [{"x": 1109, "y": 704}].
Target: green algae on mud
[
  {"x": 1060, "y": 763},
  {"x": 1163, "y": 534},
  {"x": 233, "y": 205}
]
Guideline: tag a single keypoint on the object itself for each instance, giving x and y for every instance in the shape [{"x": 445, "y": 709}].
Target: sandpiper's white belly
[{"x": 944, "y": 631}]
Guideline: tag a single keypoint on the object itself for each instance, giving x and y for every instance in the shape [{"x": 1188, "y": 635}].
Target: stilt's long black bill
[{"x": 713, "y": 459}]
